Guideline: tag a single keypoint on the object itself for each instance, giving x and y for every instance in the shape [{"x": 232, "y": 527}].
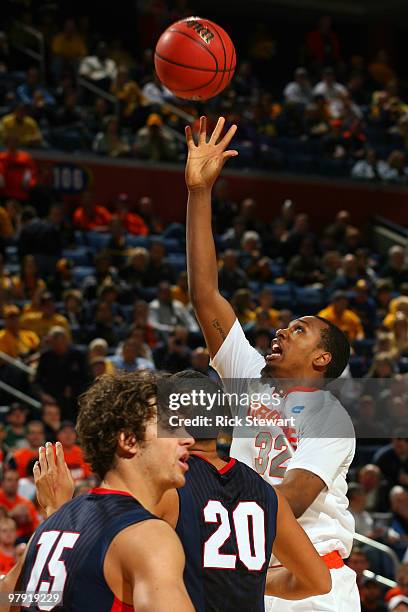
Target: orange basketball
[{"x": 195, "y": 58}]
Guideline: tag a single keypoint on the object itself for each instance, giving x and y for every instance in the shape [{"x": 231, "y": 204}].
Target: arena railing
[
  {"x": 17, "y": 363},
  {"x": 19, "y": 395},
  {"x": 38, "y": 55},
  {"x": 98, "y": 91},
  {"x": 383, "y": 548}
]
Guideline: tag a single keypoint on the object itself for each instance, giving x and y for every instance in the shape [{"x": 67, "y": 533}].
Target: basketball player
[
  {"x": 309, "y": 464},
  {"x": 106, "y": 550},
  {"x": 222, "y": 571}
]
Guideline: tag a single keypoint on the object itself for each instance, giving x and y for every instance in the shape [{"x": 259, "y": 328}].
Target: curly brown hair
[{"x": 115, "y": 403}]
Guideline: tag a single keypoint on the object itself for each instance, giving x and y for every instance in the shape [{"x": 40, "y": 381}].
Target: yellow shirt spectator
[
  {"x": 69, "y": 44},
  {"x": 14, "y": 341},
  {"x": 6, "y": 226},
  {"x": 25, "y": 129},
  {"x": 398, "y": 304},
  {"x": 273, "y": 315},
  {"x": 345, "y": 319},
  {"x": 41, "y": 325}
]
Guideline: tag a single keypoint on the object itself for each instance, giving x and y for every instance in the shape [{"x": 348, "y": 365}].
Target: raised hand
[
  {"x": 52, "y": 478},
  {"x": 206, "y": 159}
]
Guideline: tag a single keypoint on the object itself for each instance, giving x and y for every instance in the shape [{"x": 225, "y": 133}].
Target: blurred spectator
[
  {"x": 299, "y": 91},
  {"x": 15, "y": 342},
  {"x": 137, "y": 335},
  {"x": 243, "y": 306},
  {"x": 396, "y": 268},
  {"x": 22, "y": 510},
  {"x": 145, "y": 210},
  {"x": 16, "y": 426},
  {"x": 223, "y": 208},
  {"x": 357, "y": 503},
  {"x": 99, "y": 68},
  {"x": 68, "y": 47},
  {"x": 165, "y": 313},
  {"x": 26, "y": 486},
  {"x": 364, "y": 306},
  {"x": 90, "y": 216},
  {"x": 367, "y": 425},
  {"x": 338, "y": 313},
  {"x": 399, "y": 507},
  {"x": 179, "y": 291},
  {"x": 140, "y": 320},
  {"x": 299, "y": 231},
  {"x": 154, "y": 141},
  {"x": 69, "y": 113},
  {"x": 7, "y": 228},
  {"x": 40, "y": 238},
  {"x": 380, "y": 69},
  {"x": 103, "y": 273},
  {"x": 358, "y": 561},
  {"x": 26, "y": 92},
  {"x": 332, "y": 91},
  {"x": 62, "y": 373},
  {"x": 155, "y": 92},
  {"x": 369, "y": 168},
  {"x": 266, "y": 300},
  {"x": 200, "y": 362},
  {"x": 372, "y": 597},
  {"x": 130, "y": 97},
  {"x": 98, "y": 349},
  {"x": 392, "y": 460},
  {"x": 109, "y": 142},
  {"x": 18, "y": 171},
  {"x": 105, "y": 325},
  {"x": 157, "y": 268},
  {"x": 73, "y": 454},
  {"x": 394, "y": 170},
  {"x": 399, "y": 603},
  {"x": 304, "y": 268},
  {"x": 28, "y": 285},
  {"x": 402, "y": 583},
  {"x": 63, "y": 280},
  {"x": 134, "y": 272},
  {"x": 51, "y": 418},
  {"x": 173, "y": 354},
  {"x": 8, "y": 535},
  {"x": 231, "y": 277},
  {"x": 133, "y": 223},
  {"x": 20, "y": 129},
  {"x": 370, "y": 479},
  {"x": 129, "y": 360},
  {"x": 35, "y": 438},
  {"x": 43, "y": 321},
  {"x": 322, "y": 44},
  {"x": 399, "y": 332}
]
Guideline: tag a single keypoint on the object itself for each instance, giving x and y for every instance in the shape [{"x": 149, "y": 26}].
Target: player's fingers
[
  {"x": 36, "y": 471},
  {"x": 217, "y": 130},
  {"x": 228, "y": 136},
  {"x": 189, "y": 137},
  {"x": 49, "y": 451},
  {"x": 227, "y": 154},
  {"x": 43, "y": 460},
  {"x": 60, "y": 456},
  {"x": 202, "y": 139}
]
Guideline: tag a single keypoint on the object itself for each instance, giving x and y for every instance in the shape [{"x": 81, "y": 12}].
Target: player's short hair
[
  {"x": 115, "y": 403},
  {"x": 336, "y": 343}
]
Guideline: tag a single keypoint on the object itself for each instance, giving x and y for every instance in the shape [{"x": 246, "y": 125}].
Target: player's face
[
  {"x": 296, "y": 352},
  {"x": 166, "y": 453}
]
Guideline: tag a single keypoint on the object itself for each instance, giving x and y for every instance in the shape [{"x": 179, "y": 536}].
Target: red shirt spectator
[
  {"x": 8, "y": 535},
  {"x": 133, "y": 223},
  {"x": 322, "y": 44},
  {"x": 22, "y": 510},
  {"x": 72, "y": 452},
  {"x": 22, "y": 456},
  {"x": 18, "y": 172},
  {"x": 91, "y": 216}
]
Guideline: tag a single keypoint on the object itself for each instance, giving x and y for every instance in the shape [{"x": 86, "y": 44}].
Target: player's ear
[
  {"x": 322, "y": 360},
  {"x": 127, "y": 445}
]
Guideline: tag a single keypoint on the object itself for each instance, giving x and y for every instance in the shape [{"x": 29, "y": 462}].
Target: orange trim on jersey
[
  {"x": 102, "y": 491},
  {"x": 332, "y": 560},
  {"x": 120, "y": 606}
]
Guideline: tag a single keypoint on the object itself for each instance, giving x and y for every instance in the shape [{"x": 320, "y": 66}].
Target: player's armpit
[
  {"x": 300, "y": 488},
  {"x": 145, "y": 564},
  {"x": 304, "y": 574}
]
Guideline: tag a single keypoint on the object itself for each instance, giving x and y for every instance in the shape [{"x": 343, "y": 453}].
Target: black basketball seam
[
  {"x": 225, "y": 61},
  {"x": 165, "y": 59},
  {"x": 215, "y": 73},
  {"x": 203, "y": 45}
]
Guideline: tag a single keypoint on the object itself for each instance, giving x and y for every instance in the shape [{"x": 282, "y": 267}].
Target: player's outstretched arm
[
  {"x": 204, "y": 163},
  {"x": 303, "y": 574},
  {"x": 151, "y": 561}
]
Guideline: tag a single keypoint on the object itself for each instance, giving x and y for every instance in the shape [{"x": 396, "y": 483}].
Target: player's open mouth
[
  {"x": 183, "y": 462},
  {"x": 276, "y": 351}
]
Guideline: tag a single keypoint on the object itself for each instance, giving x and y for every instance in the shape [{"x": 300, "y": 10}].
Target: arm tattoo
[{"x": 217, "y": 326}]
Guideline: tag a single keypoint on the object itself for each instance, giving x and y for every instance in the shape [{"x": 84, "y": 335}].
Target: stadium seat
[
  {"x": 283, "y": 294},
  {"x": 309, "y": 300},
  {"x": 137, "y": 241},
  {"x": 174, "y": 246},
  {"x": 81, "y": 272},
  {"x": 178, "y": 261},
  {"x": 79, "y": 256},
  {"x": 97, "y": 240}
]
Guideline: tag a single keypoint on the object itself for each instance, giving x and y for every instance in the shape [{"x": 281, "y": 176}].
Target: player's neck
[{"x": 141, "y": 487}]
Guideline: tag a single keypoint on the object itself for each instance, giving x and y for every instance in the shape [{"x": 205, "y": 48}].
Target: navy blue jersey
[
  {"x": 68, "y": 550},
  {"x": 227, "y": 524}
]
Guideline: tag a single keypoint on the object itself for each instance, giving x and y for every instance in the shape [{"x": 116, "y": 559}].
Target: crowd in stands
[
  {"x": 338, "y": 116},
  {"x": 103, "y": 287}
]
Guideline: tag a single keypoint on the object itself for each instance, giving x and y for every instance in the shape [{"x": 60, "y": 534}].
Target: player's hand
[
  {"x": 206, "y": 159},
  {"x": 52, "y": 478}
]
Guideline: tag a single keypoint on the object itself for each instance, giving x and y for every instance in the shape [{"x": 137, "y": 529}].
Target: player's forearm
[
  {"x": 201, "y": 254},
  {"x": 284, "y": 584}
]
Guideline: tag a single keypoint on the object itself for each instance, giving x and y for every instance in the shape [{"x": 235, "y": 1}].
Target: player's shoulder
[{"x": 319, "y": 410}]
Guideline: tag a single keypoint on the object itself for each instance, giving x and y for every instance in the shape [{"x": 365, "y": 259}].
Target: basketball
[{"x": 195, "y": 59}]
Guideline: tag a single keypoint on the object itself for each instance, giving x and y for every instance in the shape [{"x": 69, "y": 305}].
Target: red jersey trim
[
  {"x": 120, "y": 606},
  {"x": 222, "y": 470},
  {"x": 102, "y": 491}
]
